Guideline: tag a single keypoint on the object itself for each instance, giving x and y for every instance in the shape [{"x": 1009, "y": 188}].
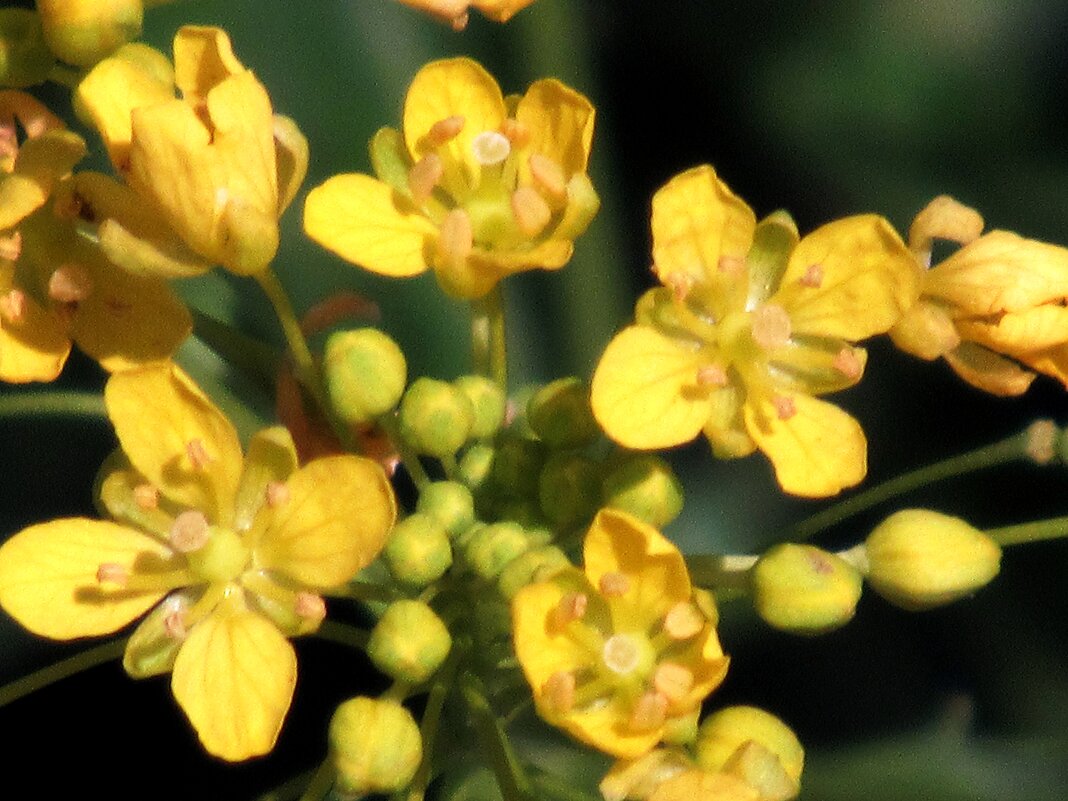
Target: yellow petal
[
  {"x": 943, "y": 218},
  {"x": 1049, "y": 361},
  {"x": 989, "y": 371},
  {"x": 817, "y": 451},
  {"x": 560, "y": 121},
  {"x": 203, "y": 58},
  {"x": 607, "y": 729},
  {"x": 867, "y": 279},
  {"x": 645, "y": 393},
  {"x": 926, "y": 330},
  {"x": 35, "y": 346},
  {"x": 365, "y": 222},
  {"x": 41, "y": 162},
  {"x": 725, "y": 427},
  {"x": 817, "y": 365},
  {"x": 234, "y": 679},
  {"x": 176, "y": 437},
  {"x": 697, "y": 221},
  {"x": 272, "y": 457},
  {"x": 48, "y": 577},
  {"x": 338, "y": 514},
  {"x": 694, "y": 784},
  {"x": 1015, "y": 332},
  {"x": 291, "y": 155},
  {"x": 501, "y": 10}
]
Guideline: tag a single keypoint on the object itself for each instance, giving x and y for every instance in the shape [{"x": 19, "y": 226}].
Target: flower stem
[
  {"x": 553, "y": 787},
  {"x": 512, "y": 780},
  {"x": 42, "y": 678},
  {"x": 489, "y": 351},
  {"x": 53, "y": 404},
  {"x": 343, "y": 634},
  {"x": 320, "y": 784},
  {"x": 428, "y": 730},
  {"x": 720, "y": 572},
  {"x": 1018, "y": 446},
  {"x": 409, "y": 458},
  {"x": 1052, "y": 529},
  {"x": 290, "y": 789}
]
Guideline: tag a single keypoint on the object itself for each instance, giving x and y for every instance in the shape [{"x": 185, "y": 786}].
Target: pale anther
[
  {"x": 277, "y": 493},
  {"x": 189, "y": 531},
  {"x": 70, "y": 284},
  {"x": 785, "y": 408},
  {"x": 112, "y": 573},
  {"x": 650, "y": 712},
  {"x": 310, "y": 606},
  {"x": 621, "y": 654},
  {"x": 559, "y": 691},
  {"x": 11, "y": 246},
  {"x": 813, "y": 277},
  {"x": 518, "y": 133},
  {"x": 570, "y": 608},
  {"x": 197, "y": 454},
  {"x": 146, "y": 496},
  {"x": 672, "y": 681},
  {"x": 614, "y": 585},
  {"x": 683, "y": 621},
  {"x": 445, "y": 130},
  {"x": 731, "y": 265},
  {"x": 1042, "y": 436},
  {"x": 424, "y": 176},
  {"x": 490, "y": 148},
  {"x": 680, "y": 285},
  {"x": 532, "y": 214},
  {"x": 13, "y": 306},
  {"x": 549, "y": 175},
  {"x": 174, "y": 625},
  {"x": 771, "y": 326},
  {"x": 847, "y": 363},
  {"x": 457, "y": 237},
  {"x": 712, "y": 375}
]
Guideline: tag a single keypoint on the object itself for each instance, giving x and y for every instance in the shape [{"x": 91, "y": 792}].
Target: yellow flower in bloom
[
  {"x": 56, "y": 285},
  {"x": 752, "y": 322},
  {"x": 618, "y": 650},
  {"x": 206, "y": 176},
  {"x": 231, "y": 554},
  {"x": 995, "y": 310},
  {"x": 478, "y": 186},
  {"x": 455, "y": 12}
]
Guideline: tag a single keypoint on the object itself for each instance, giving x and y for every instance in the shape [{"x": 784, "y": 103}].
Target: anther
[
  {"x": 813, "y": 277},
  {"x": 614, "y": 585},
  {"x": 683, "y": 621},
  {"x": 444, "y": 131},
  {"x": 197, "y": 454},
  {"x": 785, "y": 408},
  {"x": 490, "y": 148},
  {"x": 518, "y": 133},
  {"x": 189, "y": 531},
  {"x": 459, "y": 22},
  {"x": 11, "y": 246},
  {"x": 174, "y": 625},
  {"x": 457, "y": 238},
  {"x": 771, "y": 327},
  {"x": 680, "y": 285},
  {"x": 847, "y": 363},
  {"x": 13, "y": 306},
  {"x": 277, "y": 494},
  {"x": 112, "y": 573},
  {"x": 146, "y": 496},
  {"x": 1041, "y": 443},
  {"x": 549, "y": 175},
  {"x": 310, "y": 606},
  {"x": 672, "y": 681},
  {"x": 620, "y": 654},
  {"x": 570, "y": 608},
  {"x": 731, "y": 265},
  {"x": 424, "y": 176},
  {"x": 649, "y": 713},
  {"x": 530, "y": 211},
  {"x": 70, "y": 284},
  {"x": 559, "y": 691},
  {"x": 712, "y": 375}
]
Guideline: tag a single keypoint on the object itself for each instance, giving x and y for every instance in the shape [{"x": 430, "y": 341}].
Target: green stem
[
  {"x": 512, "y": 780},
  {"x": 40, "y": 679},
  {"x": 489, "y": 351},
  {"x": 549, "y": 786},
  {"x": 408, "y": 457},
  {"x": 289, "y": 789},
  {"x": 342, "y": 634},
  {"x": 320, "y": 783},
  {"x": 365, "y": 591},
  {"x": 1052, "y": 529},
  {"x": 720, "y": 572},
  {"x": 66, "y": 76},
  {"x": 1007, "y": 450},
  {"x": 258, "y": 359},
  {"x": 53, "y": 404},
  {"x": 428, "y": 729}
]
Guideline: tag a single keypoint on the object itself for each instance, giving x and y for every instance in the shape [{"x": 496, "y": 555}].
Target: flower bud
[
  {"x": 365, "y": 374},
  {"x": 488, "y": 401},
  {"x": 25, "y": 59},
  {"x": 569, "y": 488},
  {"x": 435, "y": 417},
  {"x": 919, "y": 559},
  {"x": 476, "y": 465},
  {"x": 450, "y": 504},
  {"x": 805, "y": 590},
  {"x": 517, "y": 464},
  {"x": 493, "y": 547},
  {"x": 82, "y": 32},
  {"x": 409, "y": 642},
  {"x": 560, "y": 414},
  {"x": 645, "y": 486},
  {"x": 375, "y": 746},
  {"x": 537, "y": 564},
  {"x": 723, "y": 733},
  {"x": 418, "y": 551}
]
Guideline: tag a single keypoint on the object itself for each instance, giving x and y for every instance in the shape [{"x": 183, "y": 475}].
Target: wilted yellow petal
[
  {"x": 694, "y": 784},
  {"x": 291, "y": 156},
  {"x": 48, "y": 577},
  {"x": 926, "y": 330},
  {"x": 560, "y": 122},
  {"x": 501, "y": 10},
  {"x": 234, "y": 679},
  {"x": 943, "y": 218},
  {"x": 989, "y": 371},
  {"x": 645, "y": 392},
  {"x": 1049, "y": 361},
  {"x": 1014, "y": 332}
]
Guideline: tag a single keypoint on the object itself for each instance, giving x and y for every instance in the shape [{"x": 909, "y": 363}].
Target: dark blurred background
[{"x": 825, "y": 109}]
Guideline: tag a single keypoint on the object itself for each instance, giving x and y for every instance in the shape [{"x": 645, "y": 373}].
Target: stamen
[
  {"x": 680, "y": 285},
  {"x": 112, "y": 573},
  {"x": 444, "y": 131},
  {"x": 310, "y": 606},
  {"x": 460, "y": 21},
  {"x": 847, "y": 363},
  {"x": 614, "y": 585},
  {"x": 785, "y": 407},
  {"x": 174, "y": 625},
  {"x": 70, "y": 284},
  {"x": 1041, "y": 444},
  {"x": 559, "y": 691},
  {"x": 530, "y": 210},
  {"x": 518, "y": 133},
  {"x": 621, "y": 654},
  {"x": 146, "y": 496},
  {"x": 424, "y": 176},
  {"x": 277, "y": 494},
  {"x": 13, "y": 306},
  {"x": 650, "y": 712},
  {"x": 490, "y": 148},
  {"x": 813, "y": 277},
  {"x": 549, "y": 175},
  {"x": 672, "y": 681},
  {"x": 683, "y": 621},
  {"x": 712, "y": 375},
  {"x": 570, "y": 608},
  {"x": 189, "y": 532},
  {"x": 457, "y": 238},
  {"x": 771, "y": 327},
  {"x": 198, "y": 454},
  {"x": 731, "y": 265},
  {"x": 11, "y": 246}
]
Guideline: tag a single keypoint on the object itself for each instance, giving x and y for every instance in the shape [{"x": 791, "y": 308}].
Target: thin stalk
[
  {"x": 288, "y": 790},
  {"x": 1023, "y": 533},
  {"x": 257, "y": 358},
  {"x": 409, "y": 458},
  {"x": 320, "y": 784},
  {"x": 42, "y": 678},
  {"x": 342, "y": 634},
  {"x": 549, "y": 786},
  {"x": 364, "y": 591},
  {"x": 512, "y": 780},
  {"x": 89, "y": 405},
  {"x": 489, "y": 351},
  {"x": 720, "y": 572}
]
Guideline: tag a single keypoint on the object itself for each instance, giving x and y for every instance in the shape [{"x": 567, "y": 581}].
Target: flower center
[
  {"x": 222, "y": 558},
  {"x": 626, "y": 655}
]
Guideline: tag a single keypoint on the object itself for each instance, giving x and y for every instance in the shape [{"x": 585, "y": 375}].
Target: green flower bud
[
  {"x": 82, "y": 32},
  {"x": 25, "y": 59},
  {"x": 569, "y": 489},
  {"x": 517, "y": 464},
  {"x": 375, "y": 746},
  {"x": 435, "y": 417},
  {"x": 493, "y": 547},
  {"x": 524, "y": 511},
  {"x": 476, "y": 465},
  {"x": 365, "y": 374},
  {"x": 560, "y": 414},
  {"x": 645, "y": 486},
  {"x": 537, "y": 564},
  {"x": 805, "y": 590},
  {"x": 409, "y": 642},
  {"x": 450, "y": 503},
  {"x": 919, "y": 559},
  {"x": 488, "y": 401},
  {"x": 418, "y": 551},
  {"x": 723, "y": 733}
]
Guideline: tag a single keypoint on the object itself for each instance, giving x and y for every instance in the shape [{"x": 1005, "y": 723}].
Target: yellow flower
[
  {"x": 231, "y": 554},
  {"x": 206, "y": 176},
  {"x": 478, "y": 186},
  {"x": 56, "y": 285},
  {"x": 618, "y": 650},
  {"x": 994, "y": 310},
  {"x": 455, "y": 12},
  {"x": 752, "y": 322}
]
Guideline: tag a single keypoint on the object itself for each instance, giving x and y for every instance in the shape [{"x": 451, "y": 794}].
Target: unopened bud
[
  {"x": 722, "y": 733},
  {"x": 450, "y": 504},
  {"x": 494, "y": 546},
  {"x": 418, "y": 551},
  {"x": 409, "y": 642},
  {"x": 82, "y": 32},
  {"x": 487, "y": 400},
  {"x": 569, "y": 489},
  {"x": 25, "y": 59},
  {"x": 645, "y": 486},
  {"x": 365, "y": 374},
  {"x": 435, "y": 417},
  {"x": 476, "y": 465},
  {"x": 537, "y": 564},
  {"x": 375, "y": 746},
  {"x": 805, "y": 590},
  {"x": 517, "y": 464},
  {"x": 560, "y": 414}
]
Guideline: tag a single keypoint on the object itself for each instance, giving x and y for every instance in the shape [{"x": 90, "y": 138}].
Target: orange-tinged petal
[
  {"x": 48, "y": 577},
  {"x": 40, "y": 163},
  {"x": 606, "y": 728},
  {"x": 366, "y": 222},
  {"x": 36, "y": 345},
  {"x": 234, "y": 678},
  {"x": 176, "y": 437},
  {"x": 700, "y": 784},
  {"x": 989, "y": 371},
  {"x": 817, "y": 451},
  {"x": 1049, "y": 361},
  {"x": 560, "y": 122},
  {"x": 645, "y": 392},
  {"x": 501, "y": 10},
  {"x": 1017, "y": 332},
  {"x": 867, "y": 279},
  {"x": 339, "y": 511}
]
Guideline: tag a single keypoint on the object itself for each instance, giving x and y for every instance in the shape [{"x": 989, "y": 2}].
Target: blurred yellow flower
[
  {"x": 752, "y": 322},
  {"x": 477, "y": 186},
  {"x": 455, "y": 12},
  {"x": 232, "y": 553},
  {"x": 618, "y": 650},
  {"x": 206, "y": 176},
  {"x": 56, "y": 285},
  {"x": 994, "y": 309}
]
